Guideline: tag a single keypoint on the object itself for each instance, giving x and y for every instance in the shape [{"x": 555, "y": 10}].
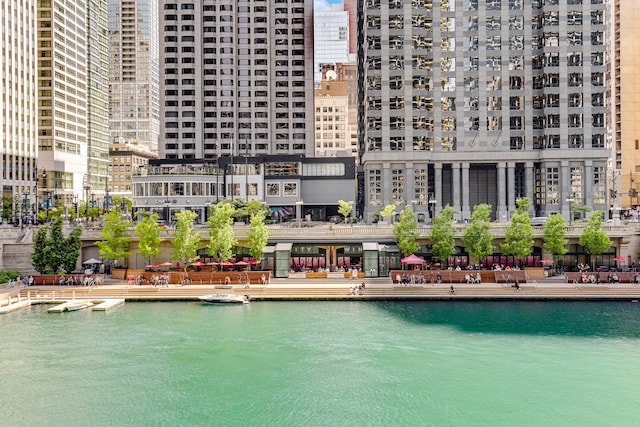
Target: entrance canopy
[{"x": 413, "y": 260}]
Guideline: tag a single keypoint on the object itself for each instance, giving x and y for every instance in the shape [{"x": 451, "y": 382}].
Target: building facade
[
  {"x": 236, "y": 77},
  {"x": 18, "y": 111},
  {"x": 133, "y": 72},
  {"x": 466, "y": 102},
  {"x": 330, "y": 39},
  {"x": 124, "y": 161},
  {"x": 625, "y": 92}
]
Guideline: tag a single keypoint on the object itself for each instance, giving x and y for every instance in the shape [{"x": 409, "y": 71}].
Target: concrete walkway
[{"x": 330, "y": 289}]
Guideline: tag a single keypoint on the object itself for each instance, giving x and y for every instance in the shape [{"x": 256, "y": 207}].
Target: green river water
[{"x": 324, "y": 364}]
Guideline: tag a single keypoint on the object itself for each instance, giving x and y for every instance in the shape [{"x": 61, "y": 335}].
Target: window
[{"x": 290, "y": 189}]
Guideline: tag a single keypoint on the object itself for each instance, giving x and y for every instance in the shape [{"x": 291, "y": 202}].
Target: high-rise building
[
  {"x": 98, "y": 96},
  {"x": 330, "y": 39},
  {"x": 62, "y": 99},
  {"x": 466, "y": 102},
  {"x": 18, "y": 111},
  {"x": 236, "y": 77},
  {"x": 133, "y": 73},
  {"x": 625, "y": 95}
]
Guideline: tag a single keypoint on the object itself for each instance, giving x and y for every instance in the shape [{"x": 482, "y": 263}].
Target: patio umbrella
[
  {"x": 153, "y": 265},
  {"x": 166, "y": 264},
  {"x": 413, "y": 260},
  {"x": 92, "y": 261},
  {"x": 546, "y": 260},
  {"x": 243, "y": 263},
  {"x": 228, "y": 264},
  {"x": 197, "y": 264},
  {"x": 278, "y": 213},
  {"x": 619, "y": 258}
]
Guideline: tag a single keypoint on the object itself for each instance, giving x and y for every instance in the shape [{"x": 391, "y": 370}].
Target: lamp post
[
  {"x": 167, "y": 205},
  {"x": 432, "y": 207},
  {"x": 207, "y": 205},
  {"x": 87, "y": 186},
  {"x": 570, "y": 200},
  {"x": 299, "y": 204}
]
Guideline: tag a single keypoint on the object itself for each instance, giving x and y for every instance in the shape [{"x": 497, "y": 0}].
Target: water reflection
[{"x": 578, "y": 318}]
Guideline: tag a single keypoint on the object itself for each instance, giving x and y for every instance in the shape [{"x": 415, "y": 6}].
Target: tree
[
  {"x": 52, "y": 252},
  {"x": 116, "y": 244},
  {"x": 553, "y": 236},
  {"x": 593, "y": 239},
  {"x": 443, "y": 234},
  {"x": 518, "y": 237},
  {"x": 388, "y": 211},
  {"x": 478, "y": 237},
  {"x": 345, "y": 208},
  {"x": 148, "y": 232},
  {"x": 258, "y": 235},
  {"x": 405, "y": 232},
  {"x": 221, "y": 236},
  {"x": 185, "y": 240}
]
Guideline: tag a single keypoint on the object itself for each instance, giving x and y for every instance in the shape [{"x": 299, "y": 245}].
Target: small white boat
[
  {"x": 225, "y": 299},
  {"x": 78, "y": 305}
]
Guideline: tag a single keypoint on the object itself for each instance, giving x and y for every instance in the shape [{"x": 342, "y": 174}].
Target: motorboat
[
  {"x": 224, "y": 299},
  {"x": 78, "y": 305}
]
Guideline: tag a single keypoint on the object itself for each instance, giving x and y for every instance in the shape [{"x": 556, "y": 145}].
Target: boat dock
[
  {"x": 14, "y": 306},
  {"x": 108, "y": 304}
]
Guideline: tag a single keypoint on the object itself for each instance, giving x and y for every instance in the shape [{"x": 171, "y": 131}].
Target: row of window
[
  {"x": 449, "y": 143},
  {"x": 227, "y": 135}
]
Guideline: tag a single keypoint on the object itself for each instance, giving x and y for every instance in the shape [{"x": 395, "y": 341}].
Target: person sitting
[
  {"x": 478, "y": 278},
  {"x": 615, "y": 278},
  {"x": 62, "y": 280}
]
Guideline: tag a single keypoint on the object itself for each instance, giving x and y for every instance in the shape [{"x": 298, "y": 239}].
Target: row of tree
[
  {"x": 478, "y": 238},
  {"x": 53, "y": 253}
]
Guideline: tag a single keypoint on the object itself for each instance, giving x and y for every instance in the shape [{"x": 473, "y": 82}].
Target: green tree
[
  {"x": 553, "y": 236},
  {"x": 221, "y": 236},
  {"x": 258, "y": 235},
  {"x": 186, "y": 241},
  {"x": 518, "y": 236},
  {"x": 593, "y": 239},
  {"x": 405, "y": 232},
  {"x": 116, "y": 244},
  {"x": 54, "y": 253},
  {"x": 345, "y": 208},
  {"x": 388, "y": 211},
  {"x": 148, "y": 232},
  {"x": 443, "y": 234},
  {"x": 478, "y": 237}
]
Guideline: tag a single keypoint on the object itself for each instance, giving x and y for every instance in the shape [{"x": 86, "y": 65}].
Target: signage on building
[{"x": 304, "y": 250}]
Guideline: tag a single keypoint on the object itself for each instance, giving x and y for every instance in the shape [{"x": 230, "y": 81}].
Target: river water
[{"x": 324, "y": 364}]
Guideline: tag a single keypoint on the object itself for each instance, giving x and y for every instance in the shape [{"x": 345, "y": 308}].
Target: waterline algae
[{"x": 324, "y": 364}]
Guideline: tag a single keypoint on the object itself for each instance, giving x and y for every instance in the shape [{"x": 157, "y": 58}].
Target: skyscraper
[
  {"x": 236, "y": 77},
  {"x": 467, "y": 102},
  {"x": 62, "y": 99},
  {"x": 18, "y": 111},
  {"x": 330, "y": 39},
  {"x": 133, "y": 73}
]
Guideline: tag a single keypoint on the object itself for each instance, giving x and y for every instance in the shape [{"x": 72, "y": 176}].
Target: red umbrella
[
  {"x": 197, "y": 264},
  {"x": 153, "y": 265},
  {"x": 547, "y": 260},
  {"x": 619, "y": 258},
  {"x": 166, "y": 264},
  {"x": 228, "y": 264},
  {"x": 243, "y": 263},
  {"x": 413, "y": 259}
]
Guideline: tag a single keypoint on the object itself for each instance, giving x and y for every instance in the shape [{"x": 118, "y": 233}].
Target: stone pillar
[
  {"x": 455, "y": 170},
  {"x": 587, "y": 181},
  {"x": 386, "y": 184},
  {"x": 466, "y": 209},
  {"x": 438, "y": 187},
  {"x": 409, "y": 186},
  {"x": 565, "y": 189},
  {"x": 511, "y": 187},
  {"x": 528, "y": 177},
  {"x": 502, "y": 204}
]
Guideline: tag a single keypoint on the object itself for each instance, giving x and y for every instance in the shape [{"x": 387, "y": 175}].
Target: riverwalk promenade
[{"x": 329, "y": 289}]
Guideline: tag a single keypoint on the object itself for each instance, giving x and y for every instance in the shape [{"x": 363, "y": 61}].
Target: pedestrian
[
  {"x": 517, "y": 285},
  {"x": 453, "y": 291}
]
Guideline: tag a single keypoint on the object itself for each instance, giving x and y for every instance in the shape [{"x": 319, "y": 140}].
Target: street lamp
[
  {"x": 299, "y": 204},
  {"x": 87, "y": 187},
  {"x": 167, "y": 205},
  {"x": 570, "y": 200},
  {"x": 432, "y": 208},
  {"x": 207, "y": 205}
]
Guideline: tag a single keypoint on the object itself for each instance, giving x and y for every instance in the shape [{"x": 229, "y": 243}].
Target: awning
[{"x": 369, "y": 246}]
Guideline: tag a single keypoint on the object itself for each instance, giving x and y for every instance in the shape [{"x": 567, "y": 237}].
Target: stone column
[
  {"x": 455, "y": 170},
  {"x": 511, "y": 177},
  {"x": 528, "y": 176},
  {"x": 438, "y": 187},
  {"x": 386, "y": 184},
  {"x": 466, "y": 209},
  {"x": 501, "y": 185}
]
